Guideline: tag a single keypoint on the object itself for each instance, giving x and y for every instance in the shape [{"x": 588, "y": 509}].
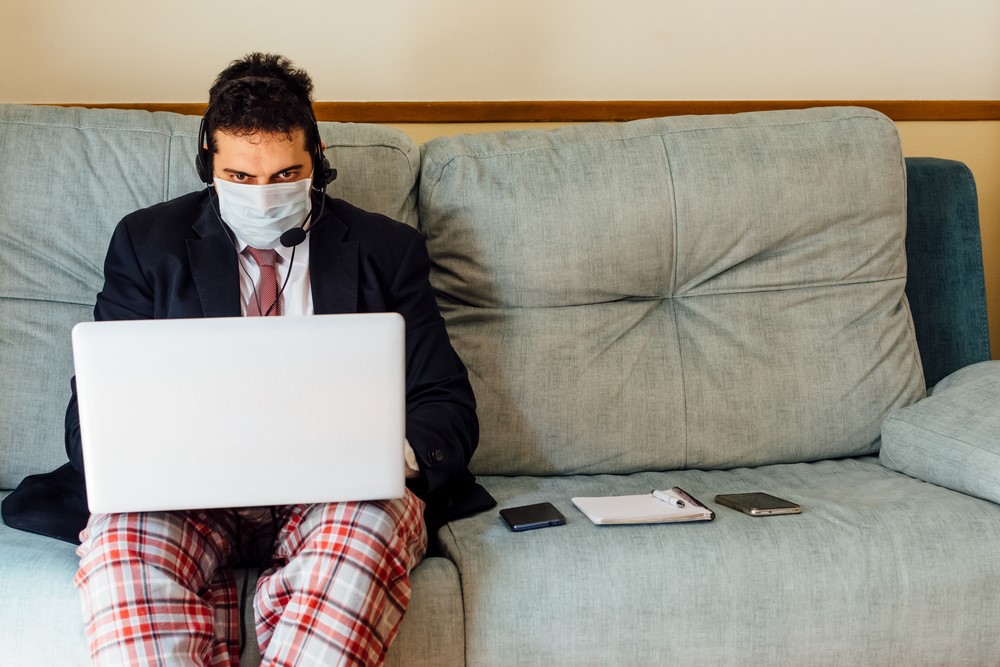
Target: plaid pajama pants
[{"x": 156, "y": 587}]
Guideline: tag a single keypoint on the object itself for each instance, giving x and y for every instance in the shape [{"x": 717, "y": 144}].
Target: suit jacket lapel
[
  {"x": 333, "y": 267},
  {"x": 214, "y": 267}
]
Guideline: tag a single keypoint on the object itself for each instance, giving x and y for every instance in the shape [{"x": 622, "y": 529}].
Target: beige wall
[{"x": 135, "y": 51}]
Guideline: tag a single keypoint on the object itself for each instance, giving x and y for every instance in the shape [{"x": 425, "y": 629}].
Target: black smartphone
[
  {"x": 529, "y": 517},
  {"x": 758, "y": 504}
]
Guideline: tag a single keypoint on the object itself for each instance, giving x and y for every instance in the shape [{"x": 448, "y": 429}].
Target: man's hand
[{"x": 410, "y": 459}]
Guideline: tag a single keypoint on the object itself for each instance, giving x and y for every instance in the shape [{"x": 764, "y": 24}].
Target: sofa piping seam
[
  {"x": 673, "y": 286},
  {"x": 66, "y": 302},
  {"x": 671, "y": 297},
  {"x": 890, "y": 421}
]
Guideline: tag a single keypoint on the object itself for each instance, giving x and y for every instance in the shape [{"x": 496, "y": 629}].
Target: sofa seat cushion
[
  {"x": 952, "y": 437},
  {"x": 41, "y": 623},
  {"x": 879, "y": 569}
]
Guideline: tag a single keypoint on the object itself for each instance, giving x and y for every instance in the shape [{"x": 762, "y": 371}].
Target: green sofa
[{"x": 721, "y": 303}]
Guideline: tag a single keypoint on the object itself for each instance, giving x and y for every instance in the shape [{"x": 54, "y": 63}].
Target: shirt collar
[{"x": 284, "y": 253}]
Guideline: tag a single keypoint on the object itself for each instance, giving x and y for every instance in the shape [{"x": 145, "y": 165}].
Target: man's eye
[
  {"x": 239, "y": 178},
  {"x": 286, "y": 175}
]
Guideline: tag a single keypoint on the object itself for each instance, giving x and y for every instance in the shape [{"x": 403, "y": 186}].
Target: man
[{"x": 156, "y": 587}]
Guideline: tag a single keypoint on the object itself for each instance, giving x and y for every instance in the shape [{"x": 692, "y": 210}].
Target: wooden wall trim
[{"x": 577, "y": 111}]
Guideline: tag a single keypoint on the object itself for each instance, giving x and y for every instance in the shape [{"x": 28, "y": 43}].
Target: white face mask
[{"x": 260, "y": 214}]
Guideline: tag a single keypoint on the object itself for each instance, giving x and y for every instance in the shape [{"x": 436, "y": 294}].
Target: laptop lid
[{"x": 238, "y": 412}]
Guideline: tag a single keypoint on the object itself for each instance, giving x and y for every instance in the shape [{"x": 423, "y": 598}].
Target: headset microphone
[{"x": 293, "y": 237}]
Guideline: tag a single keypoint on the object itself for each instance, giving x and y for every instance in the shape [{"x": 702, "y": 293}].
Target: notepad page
[{"x": 636, "y": 509}]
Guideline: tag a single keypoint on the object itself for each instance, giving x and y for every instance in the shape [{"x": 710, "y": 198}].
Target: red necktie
[{"x": 267, "y": 285}]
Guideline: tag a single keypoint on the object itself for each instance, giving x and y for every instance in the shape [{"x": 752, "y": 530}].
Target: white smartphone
[{"x": 758, "y": 504}]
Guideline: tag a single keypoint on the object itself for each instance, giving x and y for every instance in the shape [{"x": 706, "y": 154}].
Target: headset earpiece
[
  {"x": 323, "y": 173},
  {"x": 202, "y": 162}
]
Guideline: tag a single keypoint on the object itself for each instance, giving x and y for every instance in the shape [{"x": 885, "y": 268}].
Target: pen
[{"x": 669, "y": 498}]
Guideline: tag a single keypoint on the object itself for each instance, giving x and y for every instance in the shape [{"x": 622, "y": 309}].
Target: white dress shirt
[{"x": 296, "y": 299}]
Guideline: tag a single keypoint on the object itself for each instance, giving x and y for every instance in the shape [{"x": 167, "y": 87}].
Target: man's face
[{"x": 261, "y": 159}]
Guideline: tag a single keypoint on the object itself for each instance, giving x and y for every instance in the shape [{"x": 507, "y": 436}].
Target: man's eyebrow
[{"x": 294, "y": 167}]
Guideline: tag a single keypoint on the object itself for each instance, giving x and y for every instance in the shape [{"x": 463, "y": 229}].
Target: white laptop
[{"x": 241, "y": 412}]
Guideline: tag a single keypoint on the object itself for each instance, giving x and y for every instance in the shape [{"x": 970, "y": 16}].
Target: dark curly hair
[{"x": 261, "y": 92}]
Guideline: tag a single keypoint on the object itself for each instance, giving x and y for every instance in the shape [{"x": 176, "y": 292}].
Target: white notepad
[{"x": 645, "y": 508}]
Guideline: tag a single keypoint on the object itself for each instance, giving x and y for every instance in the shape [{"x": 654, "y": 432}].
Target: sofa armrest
[
  {"x": 952, "y": 437},
  {"x": 944, "y": 282}
]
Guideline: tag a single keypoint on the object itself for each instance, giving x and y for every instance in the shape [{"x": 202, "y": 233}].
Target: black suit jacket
[{"x": 160, "y": 265}]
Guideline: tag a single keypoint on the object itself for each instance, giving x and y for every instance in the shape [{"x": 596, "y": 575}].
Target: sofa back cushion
[
  {"x": 691, "y": 292},
  {"x": 67, "y": 176}
]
